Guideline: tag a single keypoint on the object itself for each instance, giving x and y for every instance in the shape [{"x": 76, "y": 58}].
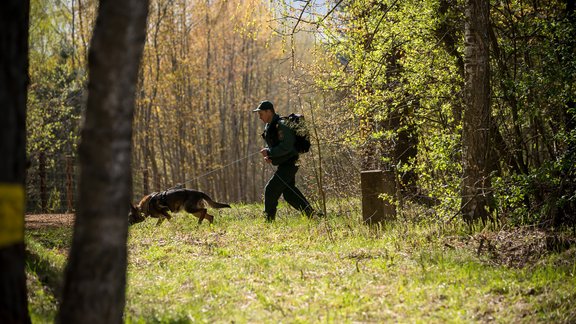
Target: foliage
[
  {"x": 56, "y": 84},
  {"x": 402, "y": 60},
  {"x": 533, "y": 89},
  {"x": 390, "y": 58},
  {"x": 206, "y": 65},
  {"x": 55, "y": 98},
  {"x": 243, "y": 269}
]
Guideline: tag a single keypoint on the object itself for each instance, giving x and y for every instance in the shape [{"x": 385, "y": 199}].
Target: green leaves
[{"x": 401, "y": 65}]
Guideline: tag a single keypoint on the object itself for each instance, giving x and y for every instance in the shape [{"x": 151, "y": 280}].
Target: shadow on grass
[{"x": 50, "y": 276}]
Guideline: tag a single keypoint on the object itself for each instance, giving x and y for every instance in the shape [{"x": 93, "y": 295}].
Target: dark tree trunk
[
  {"x": 447, "y": 33},
  {"x": 42, "y": 176},
  {"x": 476, "y": 182},
  {"x": 402, "y": 150},
  {"x": 405, "y": 148},
  {"x": 95, "y": 278},
  {"x": 14, "y": 15}
]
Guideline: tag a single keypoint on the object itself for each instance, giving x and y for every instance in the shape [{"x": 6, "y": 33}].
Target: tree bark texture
[
  {"x": 476, "y": 183},
  {"x": 14, "y": 17},
  {"x": 95, "y": 277}
]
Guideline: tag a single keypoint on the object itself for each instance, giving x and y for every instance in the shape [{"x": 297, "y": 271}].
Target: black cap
[{"x": 265, "y": 105}]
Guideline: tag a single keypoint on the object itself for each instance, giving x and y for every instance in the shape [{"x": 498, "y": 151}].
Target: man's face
[{"x": 266, "y": 115}]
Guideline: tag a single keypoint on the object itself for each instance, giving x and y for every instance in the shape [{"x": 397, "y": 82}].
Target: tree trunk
[
  {"x": 95, "y": 277},
  {"x": 476, "y": 183},
  {"x": 446, "y": 31},
  {"x": 14, "y": 16}
]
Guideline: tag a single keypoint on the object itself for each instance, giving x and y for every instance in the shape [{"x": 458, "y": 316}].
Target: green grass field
[{"x": 335, "y": 270}]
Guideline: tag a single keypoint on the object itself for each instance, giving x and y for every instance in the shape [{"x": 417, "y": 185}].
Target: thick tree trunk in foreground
[
  {"x": 13, "y": 92},
  {"x": 476, "y": 183},
  {"x": 95, "y": 278}
]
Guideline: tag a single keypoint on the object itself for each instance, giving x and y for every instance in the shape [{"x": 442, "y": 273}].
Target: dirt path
[{"x": 49, "y": 220}]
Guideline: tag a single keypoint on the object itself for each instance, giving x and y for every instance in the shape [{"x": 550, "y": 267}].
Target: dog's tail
[{"x": 213, "y": 203}]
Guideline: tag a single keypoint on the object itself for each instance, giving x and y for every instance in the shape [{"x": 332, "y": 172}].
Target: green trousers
[{"x": 283, "y": 182}]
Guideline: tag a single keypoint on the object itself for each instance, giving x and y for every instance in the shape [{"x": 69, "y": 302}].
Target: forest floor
[
  {"x": 39, "y": 221},
  {"x": 515, "y": 247},
  {"x": 242, "y": 269}
]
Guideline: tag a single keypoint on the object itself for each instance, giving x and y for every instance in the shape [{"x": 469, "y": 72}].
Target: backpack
[{"x": 297, "y": 123}]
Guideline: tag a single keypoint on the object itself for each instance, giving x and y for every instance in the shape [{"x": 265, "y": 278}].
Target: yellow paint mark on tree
[{"x": 11, "y": 214}]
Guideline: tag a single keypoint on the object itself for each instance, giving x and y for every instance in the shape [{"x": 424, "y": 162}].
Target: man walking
[{"x": 280, "y": 151}]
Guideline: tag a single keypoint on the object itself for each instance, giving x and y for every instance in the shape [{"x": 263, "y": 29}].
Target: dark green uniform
[{"x": 280, "y": 145}]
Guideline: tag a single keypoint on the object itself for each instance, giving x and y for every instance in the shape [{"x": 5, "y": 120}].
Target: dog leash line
[{"x": 212, "y": 171}]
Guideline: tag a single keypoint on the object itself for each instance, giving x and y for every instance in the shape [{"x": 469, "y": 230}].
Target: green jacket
[{"x": 280, "y": 141}]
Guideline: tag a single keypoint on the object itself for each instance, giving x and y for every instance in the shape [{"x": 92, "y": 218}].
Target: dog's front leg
[{"x": 164, "y": 214}]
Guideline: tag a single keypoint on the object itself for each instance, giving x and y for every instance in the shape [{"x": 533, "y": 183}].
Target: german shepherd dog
[{"x": 158, "y": 204}]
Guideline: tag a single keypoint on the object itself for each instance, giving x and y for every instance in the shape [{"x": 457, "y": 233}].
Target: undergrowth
[{"x": 336, "y": 270}]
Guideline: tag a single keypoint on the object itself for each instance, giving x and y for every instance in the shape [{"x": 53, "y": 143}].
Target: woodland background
[{"x": 381, "y": 84}]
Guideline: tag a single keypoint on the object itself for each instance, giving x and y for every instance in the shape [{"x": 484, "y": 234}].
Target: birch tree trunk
[{"x": 476, "y": 183}]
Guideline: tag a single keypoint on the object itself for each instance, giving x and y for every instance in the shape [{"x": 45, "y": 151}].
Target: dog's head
[{"x": 135, "y": 216}]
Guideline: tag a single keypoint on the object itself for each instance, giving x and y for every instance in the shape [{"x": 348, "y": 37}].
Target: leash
[
  {"x": 212, "y": 171},
  {"x": 179, "y": 185}
]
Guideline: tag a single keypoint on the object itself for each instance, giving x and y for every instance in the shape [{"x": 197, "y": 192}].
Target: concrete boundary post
[{"x": 374, "y": 183}]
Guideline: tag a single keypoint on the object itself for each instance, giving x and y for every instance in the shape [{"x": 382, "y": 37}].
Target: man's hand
[{"x": 264, "y": 153}]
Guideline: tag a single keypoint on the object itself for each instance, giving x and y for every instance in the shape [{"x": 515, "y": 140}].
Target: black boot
[
  {"x": 311, "y": 213},
  {"x": 270, "y": 217}
]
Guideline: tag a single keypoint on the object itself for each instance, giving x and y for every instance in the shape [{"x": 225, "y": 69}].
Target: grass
[{"x": 244, "y": 270}]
